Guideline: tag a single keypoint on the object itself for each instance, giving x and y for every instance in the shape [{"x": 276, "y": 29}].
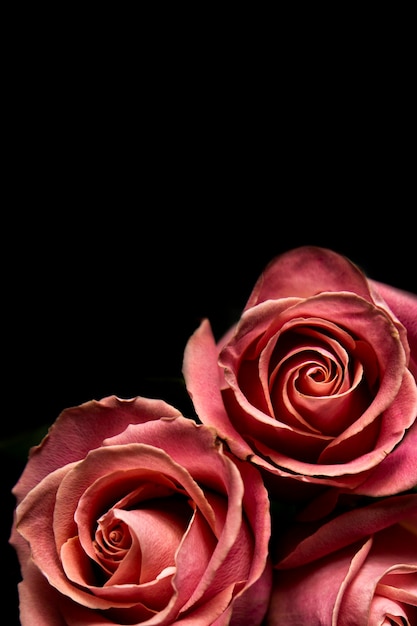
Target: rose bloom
[
  {"x": 359, "y": 569},
  {"x": 129, "y": 513},
  {"x": 316, "y": 382}
]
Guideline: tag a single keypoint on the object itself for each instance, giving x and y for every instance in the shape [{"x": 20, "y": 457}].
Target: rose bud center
[
  {"x": 320, "y": 381},
  {"x": 138, "y": 545}
]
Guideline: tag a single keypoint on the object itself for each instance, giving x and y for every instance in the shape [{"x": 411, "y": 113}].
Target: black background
[{"x": 145, "y": 196}]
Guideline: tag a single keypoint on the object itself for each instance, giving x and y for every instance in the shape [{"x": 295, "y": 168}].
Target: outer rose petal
[
  {"x": 201, "y": 373},
  {"x": 397, "y": 472},
  {"x": 349, "y": 557},
  {"x": 33, "y": 612},
  {"x": 82, "y": 428},
  {"x": 307, "y": 596},
  {"x": 388, "y": 555},
  {"x": 404, "y": 306},
  {"x": 348, "y": 528},
  {"x": 305, "y": 272},
  {"x": 249, "y": 609}
]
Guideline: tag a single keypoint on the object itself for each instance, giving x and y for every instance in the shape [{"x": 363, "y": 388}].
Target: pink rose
[
  {"x": 317, "y": 380},
  {"x": 359, "y": 569},
  {"x": 129, "y": 513}
]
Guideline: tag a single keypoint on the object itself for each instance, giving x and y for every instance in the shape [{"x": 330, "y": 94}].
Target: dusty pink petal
[
  {"x": 349, "y": 527},
  {"x": 77, "y": 615},
  {"x": 75, "y": 564},
  {"x": 42, "y": 605},
  {"x": 224, "y": 620},
  {"x": 256, "y": 327},
  {"x": 357, "y": 612},
  {"x": 305, "y": 272},
  {"x": 230, "y": 539},
  {"x": 401, "y": 587},
  {"x": 39, "y": 603},
  {"x": 250, "y": 608},
  {"x": 247, "y": 562},
  {"x": 286, "y": 467},
  {"x": 386, "y": 612},
  {"x": 202, "y": 378},
  {"x": 395, "y": 420},
  {"x": 397, "y": 472},
  {"x": 235, "y": 568},
  {"x": 200, "y": 540},
  {"x": 157, "y": 534},
  {"x": 19, "y": 543},
  {"x": 257, "y": 510},
  {"x": 297, "y": 595},
  {"x": 197, "y": 541},
  {"x": 80, "y": 429},
  {"x": 215, "y": 611},
  {"x": 404, "y": 306},
  {"x": 35, "y": 524},
  {"x": 393, "y": 549},
  {"x": 80, "y": 616}
]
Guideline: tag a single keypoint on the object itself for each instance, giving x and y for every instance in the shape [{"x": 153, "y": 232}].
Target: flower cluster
[{"x": 288, "y": 499}]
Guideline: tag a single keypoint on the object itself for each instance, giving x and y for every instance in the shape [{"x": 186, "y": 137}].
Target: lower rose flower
[
  {"x": 359, "y": 569},
  {"x": 129, "y": 513}
]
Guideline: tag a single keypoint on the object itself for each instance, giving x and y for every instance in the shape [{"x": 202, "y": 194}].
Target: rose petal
[
  {"x": 386, "y": 612},
  {"x": 251, "y": 606},
  {"x": 306, "y": 271},
  {"x": 40, "y": 603},
  {"x": 395, "y": 420},
  {"x": 34, "y": 522},
  {"x": 349, "y": 527},
  {"x": 404, "y": 306},
  {"x": 389, "y": 553},
  {"x": 401, "y": 587},
  {"x": 295, "y": 591},
  {"x": 216, "y": 611},
  {"x": 397, "y": 472},
  {"x": 201, "y": 375},
  {"x": 80, "y": 429}
]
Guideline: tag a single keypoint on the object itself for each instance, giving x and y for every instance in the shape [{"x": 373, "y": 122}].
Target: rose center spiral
[
  {"x": 316, "y": 378},
  {"x": 135, "y": 545}
]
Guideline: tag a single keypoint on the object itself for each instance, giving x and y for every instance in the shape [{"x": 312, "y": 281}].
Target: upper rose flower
[
  {"x": 359, "y": 568},
  {"x": 129, "y": 513},
  {"x": 317, "y": 380}
]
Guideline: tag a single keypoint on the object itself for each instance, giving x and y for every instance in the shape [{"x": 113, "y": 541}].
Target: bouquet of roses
[{"x": 288, "y": 499}]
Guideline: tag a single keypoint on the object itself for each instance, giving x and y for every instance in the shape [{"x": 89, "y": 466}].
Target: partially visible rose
[
  {"x": 358, "y": 569},
  {"x": 316, "y": 382},
  {"x": 129, "y": 513}
]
